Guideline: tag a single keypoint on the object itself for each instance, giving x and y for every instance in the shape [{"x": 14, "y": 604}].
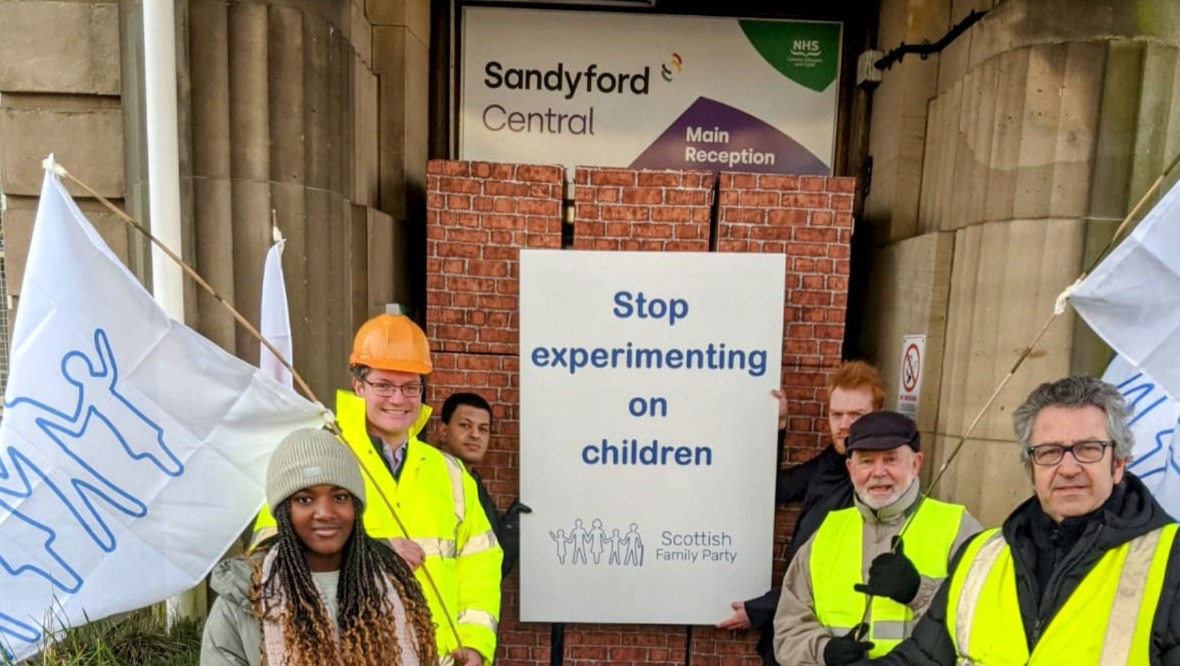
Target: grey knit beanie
[{"x": 312, "y": 457}]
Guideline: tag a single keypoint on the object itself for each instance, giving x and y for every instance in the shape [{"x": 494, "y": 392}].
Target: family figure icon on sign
[{"x": 621, "y": 549}]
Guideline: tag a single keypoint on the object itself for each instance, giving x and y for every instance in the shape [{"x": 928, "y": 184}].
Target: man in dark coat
[
  {"x": 1085, "y": 572},
  {"x": 821, "y": 485}
]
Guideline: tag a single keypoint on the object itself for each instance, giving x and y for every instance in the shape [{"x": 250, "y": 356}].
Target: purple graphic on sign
[{"x": 712, "y": 136}]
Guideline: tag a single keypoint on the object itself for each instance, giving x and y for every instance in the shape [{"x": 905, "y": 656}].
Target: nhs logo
[{"x": 805, "y": 47}]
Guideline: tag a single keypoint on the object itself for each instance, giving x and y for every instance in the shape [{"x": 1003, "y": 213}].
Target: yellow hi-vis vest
[
  {"x": 836, "y": 565},
  {"x": 1106, "y": 620},
  {"x": 438, "y": 502}
]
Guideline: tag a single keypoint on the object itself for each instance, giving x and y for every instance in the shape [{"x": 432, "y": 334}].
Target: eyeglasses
[
  {"x": 386, "y": 390},
  {"x": 1088, "y": 451}
]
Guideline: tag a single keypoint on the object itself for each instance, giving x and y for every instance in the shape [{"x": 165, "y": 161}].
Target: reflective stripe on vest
[
  {"x": 837, "y": 563},
  {"x": 444, "y": 548},
  {"x": 479, "y": 618},
  {"x": 1106, "y": 620},
  {"x": 479, "y": 543},
  {"x": 455, "y": 470}
]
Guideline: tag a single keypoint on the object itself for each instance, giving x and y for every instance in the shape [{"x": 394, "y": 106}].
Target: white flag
[
  {"x": 1153, "y": 421},
  {"x": 276, "y": 319},
  {"x": 1132, "y": 299},
  {"x": 132, "y": 450}
]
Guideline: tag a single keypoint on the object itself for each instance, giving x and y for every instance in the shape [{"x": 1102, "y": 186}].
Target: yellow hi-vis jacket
[
  {"x": 1106, "y": 621},
  {"x": 836, "y": 565},
  {"x": 438, "y": 502}
]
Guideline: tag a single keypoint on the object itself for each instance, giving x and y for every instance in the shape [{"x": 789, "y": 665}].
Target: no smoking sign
[{"x": 909, "y": 384}]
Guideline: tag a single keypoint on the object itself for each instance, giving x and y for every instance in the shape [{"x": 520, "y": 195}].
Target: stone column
[{"x": 60, "y": 92}]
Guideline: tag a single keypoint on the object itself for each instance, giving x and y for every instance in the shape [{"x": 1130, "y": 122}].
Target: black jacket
[
  {"x": 506, "y": 526},
  {"x": 1050, "y": 561},
  {"x": 822, "y": 485}
]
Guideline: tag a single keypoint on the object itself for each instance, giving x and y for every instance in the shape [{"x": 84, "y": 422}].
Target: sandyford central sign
[{"x": 648, "y": 91}]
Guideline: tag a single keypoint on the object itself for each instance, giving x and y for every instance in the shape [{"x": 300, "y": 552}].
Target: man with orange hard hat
[{"x": 432, "y": 500}]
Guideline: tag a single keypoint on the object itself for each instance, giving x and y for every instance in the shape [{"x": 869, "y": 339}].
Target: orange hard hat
[{"x": 392, "y": 342}]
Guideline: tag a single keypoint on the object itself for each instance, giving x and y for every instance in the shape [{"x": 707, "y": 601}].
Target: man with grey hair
[{"x": 1085, "y": 572}]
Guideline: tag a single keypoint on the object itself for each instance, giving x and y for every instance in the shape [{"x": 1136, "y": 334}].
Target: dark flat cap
[{"x": 881, "y": 431}]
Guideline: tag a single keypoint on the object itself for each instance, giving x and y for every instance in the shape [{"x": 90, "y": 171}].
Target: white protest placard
[
  {"x": 647, "y": 433},
  {"x": 548, "y": 86},
  {"x": 909, "y": 375}
]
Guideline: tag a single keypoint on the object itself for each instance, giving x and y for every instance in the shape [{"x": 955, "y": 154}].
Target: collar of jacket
[
  {"x": 1128, "y": 513},
  {"x": 890, "y": 513}
]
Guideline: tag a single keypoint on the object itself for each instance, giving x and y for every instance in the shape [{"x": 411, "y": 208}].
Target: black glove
[
  {"x": 512, "y": 514},
  {"x": 892, "y": 575},
  {"x": 847, "y": 649}
]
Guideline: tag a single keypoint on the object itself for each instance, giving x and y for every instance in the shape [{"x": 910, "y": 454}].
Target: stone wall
[{"x": 60, "y": 92}]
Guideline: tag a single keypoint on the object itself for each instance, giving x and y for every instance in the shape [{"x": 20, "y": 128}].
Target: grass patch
[{"x": 138, "y": 639}]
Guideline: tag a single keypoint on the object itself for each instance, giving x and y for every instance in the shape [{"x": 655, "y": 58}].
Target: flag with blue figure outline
[
  {"x": 1132, "y": 298},
  {"x": 1156, "y": 458},
  {"x": 132, "y": 450}
]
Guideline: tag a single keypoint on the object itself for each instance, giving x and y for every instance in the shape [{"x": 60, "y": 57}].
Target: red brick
[
  {"x": 687, "y": 197},
  {"x": 741, "y": 181},
  {"x": 787, "y": 217},
  {"x": 640, "y": 195},
  {"x": 539, "y": 207},
  {"x": 659, "y": 178},
  {"x": 743, "y": 215},
  {"x": 628, "y": 213},
  {"x": 603, "y": 194},
  {"x": 488, "y": 268},
  {"x": 612, "y": 177},
  {"x": 497, "y": 188},
  {"x": 460, "y": 185},
  {"x": 814, "y": 234},
  {"x": 466, "y": 250},
  {"x": 812, "y": 201},
  {"x": 768, "y": 181},
  {"x": 759, "y": 199},
  {"x": 842, "y": 185},
  {"x": 540, "y": 174},
  {"x": 809, "y": 249},
  {"x": 822, "y": 218},
  {"x": 812, "y": 298},
  {"x": 672, "y": 214},
  {"x": 448, "y": 168},
  {"x": 812, "y": 184}
]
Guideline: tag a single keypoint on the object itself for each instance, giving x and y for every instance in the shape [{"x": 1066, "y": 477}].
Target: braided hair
[{"x": 368, "y": 635}]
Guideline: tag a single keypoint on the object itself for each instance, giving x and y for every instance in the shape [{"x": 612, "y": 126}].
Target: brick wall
[
  {"x": 480, "y": 215},
  {"x": 621, "y": 209}
]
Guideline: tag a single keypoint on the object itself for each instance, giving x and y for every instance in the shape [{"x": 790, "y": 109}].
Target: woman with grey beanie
[{"x": 321, "y": 591}]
